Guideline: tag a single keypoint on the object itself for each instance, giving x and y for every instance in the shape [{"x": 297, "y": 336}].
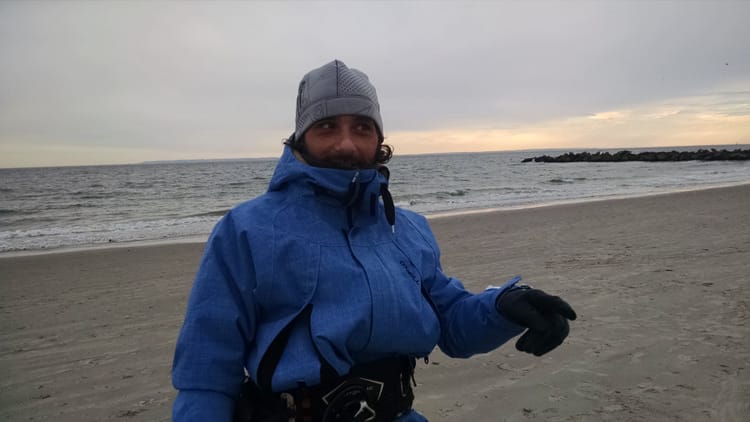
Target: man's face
[{"x": 342, "y": 142}]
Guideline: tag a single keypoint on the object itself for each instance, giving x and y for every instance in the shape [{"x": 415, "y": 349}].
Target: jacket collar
[{"x": 358, "y": 190}]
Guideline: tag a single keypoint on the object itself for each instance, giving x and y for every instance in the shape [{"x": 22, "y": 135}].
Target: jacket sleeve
[
  {"x": 219, "y": 324},
  {"x": 470, "y": 323}
]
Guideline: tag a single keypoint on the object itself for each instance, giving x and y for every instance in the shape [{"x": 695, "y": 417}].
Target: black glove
[{"x": 545, "y": 316}]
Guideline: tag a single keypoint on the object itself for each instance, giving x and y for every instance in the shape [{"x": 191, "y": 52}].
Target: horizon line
[{"x": 229, "y": 159}]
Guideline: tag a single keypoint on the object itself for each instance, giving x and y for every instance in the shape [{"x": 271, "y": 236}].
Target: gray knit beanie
[{"x": 333, "y": 90}]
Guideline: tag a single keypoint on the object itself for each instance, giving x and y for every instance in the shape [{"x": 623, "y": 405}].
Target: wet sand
[{"x": 660, "y": 285}]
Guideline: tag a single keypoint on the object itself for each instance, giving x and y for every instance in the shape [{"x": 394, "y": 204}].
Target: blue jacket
[{"x": 320, "y": 236}]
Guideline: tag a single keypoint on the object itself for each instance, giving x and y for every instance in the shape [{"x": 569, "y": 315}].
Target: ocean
[{"x": 70, "y": 207}]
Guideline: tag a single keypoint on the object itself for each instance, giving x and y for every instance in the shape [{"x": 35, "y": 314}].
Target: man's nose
[{"x": 346, "y": 140}]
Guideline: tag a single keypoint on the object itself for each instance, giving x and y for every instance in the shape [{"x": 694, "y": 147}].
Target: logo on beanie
[{"x": 318, "y": 113}]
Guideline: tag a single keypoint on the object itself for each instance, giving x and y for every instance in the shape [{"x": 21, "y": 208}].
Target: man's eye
[
  {"x": 324, "y": 125},
  {"x": 365, "y": 127}
]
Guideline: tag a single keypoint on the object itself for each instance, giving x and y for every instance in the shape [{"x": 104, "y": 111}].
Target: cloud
[
  {"x": 610, "y": 115},
  {"x": 211, "y": 78},
  {"x": 697, "y": 120}
]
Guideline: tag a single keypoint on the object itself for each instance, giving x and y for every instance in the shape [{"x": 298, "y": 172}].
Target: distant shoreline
[{"x": 648, "y": 156}]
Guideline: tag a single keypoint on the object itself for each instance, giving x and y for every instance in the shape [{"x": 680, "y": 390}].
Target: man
[{"x": 324, "y": 294}]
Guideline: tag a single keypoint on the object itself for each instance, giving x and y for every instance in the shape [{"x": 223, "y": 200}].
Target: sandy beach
[{"x": 660, "y": 284}]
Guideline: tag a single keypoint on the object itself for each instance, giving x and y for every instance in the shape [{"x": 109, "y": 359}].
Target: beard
[{"x": 339, "y": 162}]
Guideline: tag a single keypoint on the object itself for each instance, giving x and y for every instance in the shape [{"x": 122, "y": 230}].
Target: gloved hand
[{"x": 545, "y": 316}]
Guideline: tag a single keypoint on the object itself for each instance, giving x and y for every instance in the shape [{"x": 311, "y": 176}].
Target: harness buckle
[{"x": 352, "y": 400}]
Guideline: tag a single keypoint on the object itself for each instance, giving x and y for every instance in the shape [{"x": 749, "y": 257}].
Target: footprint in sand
[
  {"x": 687, "y": 359},
  {"x": 636, "y": 358},
  {"x": 556, "y": 398}
]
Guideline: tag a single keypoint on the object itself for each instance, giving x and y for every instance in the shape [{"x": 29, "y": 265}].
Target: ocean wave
[
  {"x": 462, "y": 192},
  {"x": 92, "y": 195},
  {"x": 138, "y": 185},
  {"x": 71, "y": 206},
  {"x": 217, "y": 213},
  {"x": 25, "y": 219},
  {"x": 457, "y": 192},
  {"x": 102, "y": 233}
]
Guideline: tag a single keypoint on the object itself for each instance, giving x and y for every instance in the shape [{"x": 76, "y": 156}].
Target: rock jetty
[{"x": 599, "y": 157}]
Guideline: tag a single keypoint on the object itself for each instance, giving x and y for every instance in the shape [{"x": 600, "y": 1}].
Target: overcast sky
[{"x": 127, "y": 81}]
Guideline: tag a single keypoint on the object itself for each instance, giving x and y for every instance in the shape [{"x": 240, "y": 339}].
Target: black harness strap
[{"x": 271, "y": 358}]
